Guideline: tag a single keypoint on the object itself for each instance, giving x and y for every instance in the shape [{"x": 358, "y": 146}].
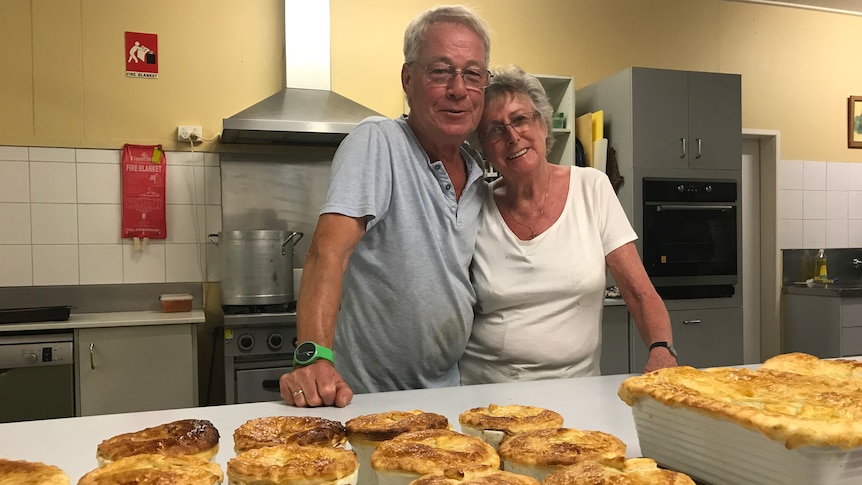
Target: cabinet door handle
[
  {"x": 691, "y": 322},
  {"x": 699, "y": 147},
  {"x": 92, "y": 364},
  {"x": 683, "y": 148}
]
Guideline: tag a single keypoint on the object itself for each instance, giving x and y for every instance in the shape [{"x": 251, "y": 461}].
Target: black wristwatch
[
  {"x": 666, "y": 345},
  {"x": 308, "y": 352}
]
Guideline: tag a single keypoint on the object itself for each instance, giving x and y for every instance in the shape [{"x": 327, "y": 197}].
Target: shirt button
[
  {"x": 437, "y": 167},
  {"x": 448, "y": 186}
]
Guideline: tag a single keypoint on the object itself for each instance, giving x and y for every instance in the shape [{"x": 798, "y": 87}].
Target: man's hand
[
  {"x": 317, "y": 384},
  {"x": 659, "y": 358}
]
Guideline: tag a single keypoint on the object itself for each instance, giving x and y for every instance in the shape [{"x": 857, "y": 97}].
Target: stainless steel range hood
[
  {"x": 296, "y": 116},
  {"x": 307, "y": 111}
]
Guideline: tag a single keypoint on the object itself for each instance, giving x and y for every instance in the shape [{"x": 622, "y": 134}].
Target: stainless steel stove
[{"x": 259, "y": 341}]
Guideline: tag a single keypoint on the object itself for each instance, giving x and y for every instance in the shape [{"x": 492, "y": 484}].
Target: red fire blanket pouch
[{"x": 144, "y": 174}]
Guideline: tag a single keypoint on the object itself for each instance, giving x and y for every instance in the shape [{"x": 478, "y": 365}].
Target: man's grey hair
[
  {"x": 414, "y": 36},
  {"x": 512, "y": 80}
]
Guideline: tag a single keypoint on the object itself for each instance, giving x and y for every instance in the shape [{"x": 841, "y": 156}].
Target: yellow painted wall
[{"x": 63, "y": 82}]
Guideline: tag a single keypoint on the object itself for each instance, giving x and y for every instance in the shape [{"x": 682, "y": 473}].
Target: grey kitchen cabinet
[
  {"x": 615, "y": 340},
  {"x": 561, "y": 94},
  {"x": 825, "y": 326},
  {"x": 135, "y": 368},
  {"x": 702, "y": 337}
]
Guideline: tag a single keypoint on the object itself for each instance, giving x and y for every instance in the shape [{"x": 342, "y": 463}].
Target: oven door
[
  {"x": 258, "y": 385},
  {"x": 690, "y": 243}
]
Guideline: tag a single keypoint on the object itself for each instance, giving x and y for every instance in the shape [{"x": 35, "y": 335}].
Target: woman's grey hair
[
  {"x": 414, "y": 36},
  {"x": 511, "y": 80}
]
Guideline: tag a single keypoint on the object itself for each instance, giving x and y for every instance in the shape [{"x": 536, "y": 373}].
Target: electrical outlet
[{"x": 186, "y": 133}]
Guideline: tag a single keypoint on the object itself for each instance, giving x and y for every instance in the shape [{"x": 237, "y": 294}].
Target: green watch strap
[{"x": 308, "y": 352}]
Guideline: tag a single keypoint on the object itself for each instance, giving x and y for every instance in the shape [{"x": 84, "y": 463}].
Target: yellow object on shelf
[
  {"x": 598, "y": 125},
  {"x": 584, "y": 132}
]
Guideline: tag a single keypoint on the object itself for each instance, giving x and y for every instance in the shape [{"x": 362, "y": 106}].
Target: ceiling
[{"x": 853, "y": 7}]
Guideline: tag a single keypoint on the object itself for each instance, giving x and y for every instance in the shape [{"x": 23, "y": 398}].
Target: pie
[
  {"x": 191, "y": 437},
  {"x": 21, "y": 472},
  {"x": 635, "y": 471},
  {"x": 155, "y": 469},
  {"x": 796, "y": 399},
  {"x": 494, "y": 422},
  {"x": 288, "y": 430},
  {"x": 294, "y": 465},
  {"x": 480, "y": 476}
]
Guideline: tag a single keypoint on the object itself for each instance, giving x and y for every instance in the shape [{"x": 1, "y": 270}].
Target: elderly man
[{"x": 386, "y": 300}]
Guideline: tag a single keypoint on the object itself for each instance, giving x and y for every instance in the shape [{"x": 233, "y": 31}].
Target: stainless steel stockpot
[{"x": 256, "y": 266}]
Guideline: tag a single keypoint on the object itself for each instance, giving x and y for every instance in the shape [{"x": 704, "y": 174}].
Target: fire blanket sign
[
  {"x": 142, "y": 55},
  {"x": 143, "y": 169}
]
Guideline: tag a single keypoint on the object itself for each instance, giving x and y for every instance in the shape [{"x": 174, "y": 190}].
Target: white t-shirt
[{"x": 540, "y": 302}]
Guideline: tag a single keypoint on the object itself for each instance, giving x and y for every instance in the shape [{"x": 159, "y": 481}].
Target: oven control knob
[
  {"x": 275, "y": 341},
  {"x": 708, "y": 189},
  {"x": 245, "y": 342},
  {"x": 30, "y": 358},
  {"x": 680, "y": 188}
]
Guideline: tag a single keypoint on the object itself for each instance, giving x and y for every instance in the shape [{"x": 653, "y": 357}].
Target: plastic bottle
[{"x": 821, "y": 274}]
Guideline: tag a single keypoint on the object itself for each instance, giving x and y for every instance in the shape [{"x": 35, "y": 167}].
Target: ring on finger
[{"x": 296, "y": 393}]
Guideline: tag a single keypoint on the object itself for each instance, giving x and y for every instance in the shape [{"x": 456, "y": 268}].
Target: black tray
[{"x": 39, "y": 314}]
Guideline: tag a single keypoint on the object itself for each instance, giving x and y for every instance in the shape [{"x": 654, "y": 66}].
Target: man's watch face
[{"x": 305, "y": 351}]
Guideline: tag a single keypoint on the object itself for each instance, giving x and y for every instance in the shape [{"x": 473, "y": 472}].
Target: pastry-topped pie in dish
[
  {"x": 539, "y": 453},
  {"x": 796, "y": 419},
  {"x": 155, "y": 469},
  {"x": 410, "y": 455},
  {"x": 294, "y": 465},
  {"x": 190, "y": 437},
  {"x": 22, "y": 472},
  {"x": 634, "y": 471},
  {"x": 474, "y": 476},
  {"x": 288, "y": 430},
  {"x": 494, "y": 422}
]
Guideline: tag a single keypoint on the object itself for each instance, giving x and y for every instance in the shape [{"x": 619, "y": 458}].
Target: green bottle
[{"x": 821, "y": 275}]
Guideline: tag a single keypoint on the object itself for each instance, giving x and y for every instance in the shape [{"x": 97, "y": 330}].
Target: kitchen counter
[
  {"x": 841, "y": 289},
  {"x": 588, "y": 403},
  {"x": 110, "y": 319}
]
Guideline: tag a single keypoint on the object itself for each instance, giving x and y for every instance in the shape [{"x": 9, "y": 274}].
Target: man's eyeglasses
[
  {"x": 441, "y": 74},
  {"x": 519, "y": 123}
]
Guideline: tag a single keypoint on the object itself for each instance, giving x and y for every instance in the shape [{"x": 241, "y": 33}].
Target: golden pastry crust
[
  {"x": 562, "y": 446},
  {"x": 292, "y": 464},
  {"x": 288, "y": 430},
  {"x": 511, "y": 419},
  {"x": 635, "y": 471},
  {"x": 795, "y": 409},
  {"x": 385, "y": 426},
  {"x": 155, "y": 469},
  {"x": 191, "y": 437},
  {"x": 22, "y": 472},
  {"x": 475, "y": 476},
  {"x": 809, "y": 365},
  {"x": 433, "y": 450}
]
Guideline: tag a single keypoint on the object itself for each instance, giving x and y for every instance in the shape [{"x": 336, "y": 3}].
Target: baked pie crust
[
  {"x": 155, "y": 469},
  {"x": 293, "y": 465},
  {"x": 555, "y": 448},
  {"x": 795, "y": 398},
  {"x": 433, "y": 450},
  {"x": 288, "y": 430},
  {"x": 476, "y": 476},
  {"x": 21, "y": 472},
  {"x": 635, "y": 471},
  {"x": 191, "y": 437},
  {"x": 494, "y": 422},
  {"x": 385, "y": 426}
]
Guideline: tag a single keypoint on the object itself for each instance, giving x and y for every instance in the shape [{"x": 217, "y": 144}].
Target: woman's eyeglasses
[
  {"x": 441, "y": 74},
  {"x": 520, "y": 123}
]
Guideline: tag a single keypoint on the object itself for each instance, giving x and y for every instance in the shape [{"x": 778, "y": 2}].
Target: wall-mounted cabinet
[{"x": 561, "y": 93}]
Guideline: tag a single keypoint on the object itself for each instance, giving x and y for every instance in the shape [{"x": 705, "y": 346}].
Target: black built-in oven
[{"x": 689, "y": 237}]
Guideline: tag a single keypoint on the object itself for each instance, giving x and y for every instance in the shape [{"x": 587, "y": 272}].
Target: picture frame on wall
[{"x": 854, "y": 122}]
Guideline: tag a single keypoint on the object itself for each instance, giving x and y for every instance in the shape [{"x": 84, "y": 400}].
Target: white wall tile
[
  {"x": 101, "y": 264},
  {"x": 212, "y": 179},
  {"x": 90, "y": 155},
  {"x": 185, "y": 185},
  {"x": 52, "y": 182},
  {"x": 790, "y": 234},
  {"x": 14, "y": 223},
  {"x": 185, "y": 158},
  {"x": 213, "y": 218},
  {"x": 813, "y": 204},
  {"x": 790, "y": 204},
  {"x": 813, "y": 233},
  {"x": 14, "y": 181},
  {"x": 147, "y": 266},
  {"x": 182, "y": 262},
  {"x": 54, "y": 223},
  {"x": 791, "y": 175},
  {"x": 183, "y": 224},
  {"x": 10, "y": 153},
  {"x": 854, "y": 205},
  {"x": 836, "y": 234},
  {"x": 212, "y": 158},
  {"x": 836, "y": 175},
  {"x": 854, "y": 176},
  {"x": 99, "y": 183},
  {"x": 814, "y": 175},
  {"x": 55, "y": 265},
  {"x": 99, "y": 223},
  {"x": 42, "y": 154},
  {"x": 836, "y": 204},
  {"x": 854, "y": 233},
  {"x": 16, "y": 265}
]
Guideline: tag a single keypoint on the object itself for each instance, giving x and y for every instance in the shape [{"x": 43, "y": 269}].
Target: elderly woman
[{"x": 546, "y": 235}]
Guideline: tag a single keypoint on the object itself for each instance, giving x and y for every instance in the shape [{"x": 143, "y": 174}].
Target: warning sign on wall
[{"x": 142, "y": 55}]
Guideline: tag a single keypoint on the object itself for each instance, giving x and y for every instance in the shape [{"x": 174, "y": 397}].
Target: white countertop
[
  {"x": 588, "y": 403},
  {"x": 110, "y": 319}
]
